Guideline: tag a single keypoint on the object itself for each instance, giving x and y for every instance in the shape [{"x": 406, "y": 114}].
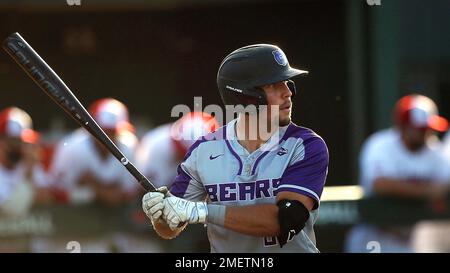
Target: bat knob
[{"x": 163, "y": 190}]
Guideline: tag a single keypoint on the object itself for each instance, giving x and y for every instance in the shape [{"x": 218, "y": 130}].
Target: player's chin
[{"x": 284, "y": 121}]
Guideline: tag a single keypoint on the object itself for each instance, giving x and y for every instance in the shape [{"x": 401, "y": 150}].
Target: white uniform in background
[
  {"x": 446, "y": 145},
  {"x": 162, "y": 149},
  {"x": 158, "y": 157},
  {"x": 17, "y": 191},
  {"x": 76, "y": 155},
  {"x": 434, "y": 236},
  {"x": 384, "y": 155}
]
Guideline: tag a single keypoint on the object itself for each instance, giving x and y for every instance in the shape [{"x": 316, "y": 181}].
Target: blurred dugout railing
[{"x": 345, "y": 205}]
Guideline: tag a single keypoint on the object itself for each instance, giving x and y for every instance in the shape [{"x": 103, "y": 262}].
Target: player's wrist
[
  {"x": 216, "y": 214},
  {"x": 198, "y": 214}
]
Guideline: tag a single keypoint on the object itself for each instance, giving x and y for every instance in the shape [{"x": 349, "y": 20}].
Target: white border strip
[{"x": 299, "y": 188}]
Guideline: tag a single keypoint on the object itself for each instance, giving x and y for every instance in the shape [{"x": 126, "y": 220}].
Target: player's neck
[{"x": 252, "y": 133}]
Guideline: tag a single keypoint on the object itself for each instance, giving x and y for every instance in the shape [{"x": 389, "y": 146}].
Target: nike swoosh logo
[{"x": 214, "y": 157}]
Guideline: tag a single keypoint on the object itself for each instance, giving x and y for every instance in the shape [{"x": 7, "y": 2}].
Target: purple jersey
[{"x": 221, "y": 171}]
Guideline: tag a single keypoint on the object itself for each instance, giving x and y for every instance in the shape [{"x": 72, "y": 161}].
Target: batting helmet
[{"x": 245, "y": 70}]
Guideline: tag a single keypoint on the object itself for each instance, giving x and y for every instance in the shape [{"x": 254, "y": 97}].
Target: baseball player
[
  {"x": 255, "y": 194},
  {"x": 22, "y": 177},
  {"x": 432, "y": 236},
  {"x": 405, "y": 161},
  {"x": 85, "y": 169},
  {"x": 162, "y": 149}
]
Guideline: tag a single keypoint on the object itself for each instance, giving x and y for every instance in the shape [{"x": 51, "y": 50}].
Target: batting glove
[
  {"x": 178, "y": 211},
  {"x": 153, "y": 204}
]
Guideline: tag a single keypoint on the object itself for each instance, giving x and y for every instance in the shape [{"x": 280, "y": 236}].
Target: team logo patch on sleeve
[{"x": 279, "y": 57}]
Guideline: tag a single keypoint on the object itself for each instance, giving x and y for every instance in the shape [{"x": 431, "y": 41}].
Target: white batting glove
[
  {"x": 178, "y": 211},
  {"x": 153, "y": 204}
]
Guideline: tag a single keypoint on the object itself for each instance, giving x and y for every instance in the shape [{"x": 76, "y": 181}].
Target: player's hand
[
  {"x": 153, "y": 205},
  {"x": 179, "y": 211}
]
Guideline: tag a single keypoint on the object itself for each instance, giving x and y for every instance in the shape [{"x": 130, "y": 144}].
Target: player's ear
[{"x": 291, "y": 85}]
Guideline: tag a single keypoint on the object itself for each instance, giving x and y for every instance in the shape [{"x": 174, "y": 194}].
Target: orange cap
[
  {"x": 420, "y": 112},
  {"x": 110, "y": 113},
  {"x": 14, "y": 122},
  {"x": 192, "y": 126}
]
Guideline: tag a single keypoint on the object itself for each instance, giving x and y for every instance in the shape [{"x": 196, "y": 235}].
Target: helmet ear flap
[
  {"x": 291, "y": 86},
  {"x": 263, "y": 98},
  {"x": 254, "y": 96},
  {"x": 259, "y": 94}
]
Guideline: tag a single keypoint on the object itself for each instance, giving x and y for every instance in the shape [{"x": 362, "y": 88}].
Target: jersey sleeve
[
  {"x": 307, "y": 171},
  {"x": 187, "y": 183}
]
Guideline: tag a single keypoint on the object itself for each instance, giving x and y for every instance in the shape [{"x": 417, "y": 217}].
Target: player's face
[
  {"x": 279, "y": 94},
  {"x": 415, "y": 138},
  {"x": 10, "y": 151}
]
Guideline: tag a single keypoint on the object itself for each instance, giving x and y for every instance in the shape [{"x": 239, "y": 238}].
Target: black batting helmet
[{"x": 245, "y": 70}]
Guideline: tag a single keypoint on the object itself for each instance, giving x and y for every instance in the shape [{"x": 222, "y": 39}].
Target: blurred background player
[
  {"x": 405, "y": 161},
  {"x": 86, "y": 170},
  {"x": 90, "y": 174},
  {"x": 434, "y": 236},
  {"x": 162, "y": 149},
  {"x": 23, "y": 180},
  {"x": 160, "y": 152}
]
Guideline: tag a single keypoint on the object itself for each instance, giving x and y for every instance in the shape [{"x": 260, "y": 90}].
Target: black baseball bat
[{"x": 52, "y": 85}]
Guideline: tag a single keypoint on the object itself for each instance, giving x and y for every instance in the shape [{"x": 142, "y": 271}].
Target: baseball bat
[{"x": 52, "y": 85}]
